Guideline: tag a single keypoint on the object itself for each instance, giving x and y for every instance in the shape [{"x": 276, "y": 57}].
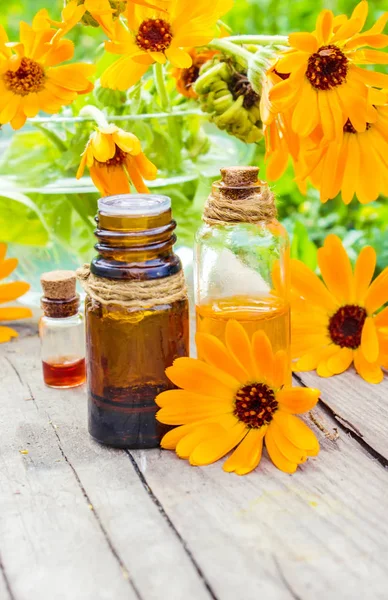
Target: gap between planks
[
  {"x": 376, "y": 447},
  {"x": 209, "y": 592}
]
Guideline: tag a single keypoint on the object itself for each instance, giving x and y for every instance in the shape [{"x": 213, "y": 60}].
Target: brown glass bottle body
[{"x": 129, "y": 348}]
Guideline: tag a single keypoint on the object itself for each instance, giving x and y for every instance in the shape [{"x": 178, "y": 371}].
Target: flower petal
[
  {"x": 371, "y": 372},
  {"x": 7, "y": 266},
  {"x": 296, "y": 400},
  {"x": 179, "y": 58},
  {"x": 370, "y": 341},
  {"x": 103, "y": 147},
  {"x": 336, "y": 269},
  {"x": 377, "y": 295},
  {"x": 248, "y": 453},
  {"x": 239, "y": 346},
  {"x": 187, "y": 411},
  {"x": 278, "y": 459},
  {"x": 297, "y": 432},
  {"x": 190, "y": 441},
  {"x": 11, "y": 291},
  {"x": 127, "y": 142},
  {"x": 281, "y": 369},
  {"x": 212, "y": 350},
  {"x": 6, "y": 334},
  {"x": 341, "y": 361},
  {"x": 196, "y": 376},
  {"x": 263, "y": 357},
  {"x": 14, "y": 313},
  {"x": 363, "y": 272},
  {"x": 210, "y": 451},
  {"x": 312, "y": 358},
  {"x": 310, "y": 287},
  {"x": 172, "y": 438},
  {"x": 324, "y": 27},
  {"x": 287, "y": 448},
  {"x": 306, "y": 42}
]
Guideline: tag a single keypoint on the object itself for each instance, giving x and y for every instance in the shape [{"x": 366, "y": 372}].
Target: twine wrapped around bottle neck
[
  {"x": 239, "y": 198},
  {"x": 133, "y": 294}
]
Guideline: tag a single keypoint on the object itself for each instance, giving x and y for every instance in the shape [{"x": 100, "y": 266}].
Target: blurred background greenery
[{"x": 47, "y": 216}]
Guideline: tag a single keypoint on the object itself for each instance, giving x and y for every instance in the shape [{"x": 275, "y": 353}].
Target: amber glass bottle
[{"x": 136, "y": 318}]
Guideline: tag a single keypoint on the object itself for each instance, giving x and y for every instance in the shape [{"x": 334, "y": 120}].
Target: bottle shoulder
[
  {"x": 262, "y": 233},
  {"x": 73, "y": 320}
]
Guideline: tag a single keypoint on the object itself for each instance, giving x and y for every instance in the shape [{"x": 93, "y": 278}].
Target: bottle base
[
  {"x": 121, "y": 445},
  {"x": 126, "y": 419},
  {"x": 65, "y": 387}
]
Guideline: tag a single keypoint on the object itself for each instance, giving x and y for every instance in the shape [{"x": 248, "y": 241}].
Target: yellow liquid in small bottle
[{"x": 254, "y": 314}]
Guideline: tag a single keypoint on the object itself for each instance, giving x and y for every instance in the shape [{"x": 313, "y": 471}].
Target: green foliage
[{"x": 44, "y": 203}]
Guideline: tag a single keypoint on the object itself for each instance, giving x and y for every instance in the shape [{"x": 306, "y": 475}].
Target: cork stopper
[
  {"x": 239, "y": 176},
  {"x": 59, "y": 285},
  {"x": 239, "y": 197}
]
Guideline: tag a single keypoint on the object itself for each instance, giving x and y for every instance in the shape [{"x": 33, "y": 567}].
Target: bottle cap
[
  {"x": 239, "y": 197},
  {"x": 59, "y": 285},
  {"x": 134, "y": 205},
  {"x": 239, "y": 176}
]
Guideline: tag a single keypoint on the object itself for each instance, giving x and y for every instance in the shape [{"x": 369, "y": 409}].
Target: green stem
[
  {"x": 53, "y": 137},
  {"x": 95, "y": 113},
  {"x": 261, "y": 40},
  {"x": 240, "y": 54},
  {"x": 74, "y": 203},
  {"x": 173, "y": 129},
  {"x": 161, "y": 87}
]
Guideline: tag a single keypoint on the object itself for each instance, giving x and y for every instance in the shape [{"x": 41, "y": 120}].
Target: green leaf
[
  {"x": 21, "y": 220},
  {"x": 302, "y": 247}
]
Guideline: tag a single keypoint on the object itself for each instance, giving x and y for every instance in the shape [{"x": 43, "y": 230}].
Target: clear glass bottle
[
  {"x": 62, "y": 331},
  {"x": 129, "y": 345},
  {"x": 241, "y": 263}
]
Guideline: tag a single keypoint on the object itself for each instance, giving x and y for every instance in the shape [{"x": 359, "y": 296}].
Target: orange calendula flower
[
  {"x": 155, "y": 36},
  {"x": 326, "y": 86},
  {"x": 8, "y": 293},
  {"x": 30, "y": 78},
  {"x": 336, "y": 322},
  {"x": 185, "y": 78},
  {"x": 235, "y": 399},
  {"x": 356, "y": 164},
  {"x": 115, "y": 160},
  {"x": 280, "y": 140}
]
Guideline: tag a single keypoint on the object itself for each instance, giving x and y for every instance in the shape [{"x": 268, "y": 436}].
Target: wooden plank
[
  {"x": 321, "y": 533},
  {"x": 5, "y": 593},
  {"x": 146, "y": 545},
  {"x": 50, "y": 542},
  {"x": 358, "y": 405}
]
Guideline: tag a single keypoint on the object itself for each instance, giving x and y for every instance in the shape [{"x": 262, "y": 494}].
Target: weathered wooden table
[{"x": 79, "y": 521}]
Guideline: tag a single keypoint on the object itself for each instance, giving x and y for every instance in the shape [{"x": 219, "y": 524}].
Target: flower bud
[
  {"x": 226, "y": 94},
  {"x": 109, "y": 98}
]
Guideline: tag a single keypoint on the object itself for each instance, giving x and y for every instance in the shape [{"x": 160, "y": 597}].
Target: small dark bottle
[
  {"x": 137, "y": 320},
  {"x": 62, "y": 332}
]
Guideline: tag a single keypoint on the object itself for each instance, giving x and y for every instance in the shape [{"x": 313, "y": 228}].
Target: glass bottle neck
[{"x": 135, "y": 247}]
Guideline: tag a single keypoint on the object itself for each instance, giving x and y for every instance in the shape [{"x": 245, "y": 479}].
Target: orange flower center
[
  {"x": 189, "y": 76},
  {"x": 117, "y": 160},
  {"x": 154, "y": 35},
  {"x": 345, "y": 326},
  {"x": 255, "y": 405},
  {"x": 348, "y": 127},
  {"x": 28, "y": 78},
  {"x": 327, "y": 68}
]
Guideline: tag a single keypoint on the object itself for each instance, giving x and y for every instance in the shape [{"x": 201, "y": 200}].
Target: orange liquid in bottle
[
  {"x": 64, "y": 372},
  {"x": 254, "y": 314}
]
